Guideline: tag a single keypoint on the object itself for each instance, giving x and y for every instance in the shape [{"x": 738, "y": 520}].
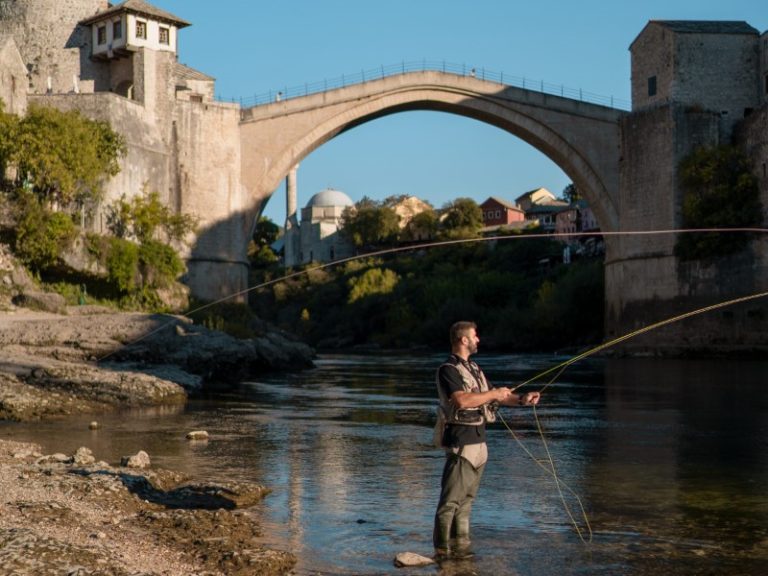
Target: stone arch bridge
[
  {"x": 583, "y": 139},
  {"x": 623, "y": 163}
]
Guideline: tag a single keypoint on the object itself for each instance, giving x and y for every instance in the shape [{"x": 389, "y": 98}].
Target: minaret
[{"x": 291, "y": 245}]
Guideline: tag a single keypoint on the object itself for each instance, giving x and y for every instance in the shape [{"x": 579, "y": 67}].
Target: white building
[{"x": 316, "y": 238}]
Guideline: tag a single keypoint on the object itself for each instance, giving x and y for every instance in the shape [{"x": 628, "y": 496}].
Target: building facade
[
  {"x": 707, "y": 65},
  {"x": 119, "y": 64},
  {"x": 499, "y": 212},
  {"x": 316, "y": 237}
]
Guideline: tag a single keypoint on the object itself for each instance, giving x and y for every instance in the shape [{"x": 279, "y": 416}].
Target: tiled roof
[
  {"x": 532, "y": 192},
  {"x": 186, "y": 73},
  {"x": 707, "y": 26},
  {"x": 505, "y": 203},
  {"x": 138, "y": 7}
]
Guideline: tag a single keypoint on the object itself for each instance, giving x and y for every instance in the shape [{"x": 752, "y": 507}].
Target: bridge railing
[{"x": 371, "y": 74}]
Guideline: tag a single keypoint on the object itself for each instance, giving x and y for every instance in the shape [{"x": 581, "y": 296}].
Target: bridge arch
[{"x": 582, "y": 139}]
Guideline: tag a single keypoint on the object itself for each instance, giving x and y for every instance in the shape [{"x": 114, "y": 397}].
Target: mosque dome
[{"x": 329, "y": 197}]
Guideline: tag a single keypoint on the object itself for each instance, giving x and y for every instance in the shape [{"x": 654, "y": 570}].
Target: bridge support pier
[{"x": 215, "y": 280}]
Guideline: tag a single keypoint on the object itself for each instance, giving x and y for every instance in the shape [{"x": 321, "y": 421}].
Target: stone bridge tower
[
  {"x": 693, "y": 84},
  {"x": 118, "y": 63}
]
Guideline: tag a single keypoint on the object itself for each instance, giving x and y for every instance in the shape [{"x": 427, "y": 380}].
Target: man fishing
[{"x": 467, "y": 403}]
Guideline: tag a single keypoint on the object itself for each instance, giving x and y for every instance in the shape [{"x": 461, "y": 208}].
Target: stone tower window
[
  {"x": 141, "y": 29},
  {"x": 101, "y": 35},
  {"x": 165, "y": 35},
  {"x": 652, "y": 86},
  {"x": 117, "y": 30}
]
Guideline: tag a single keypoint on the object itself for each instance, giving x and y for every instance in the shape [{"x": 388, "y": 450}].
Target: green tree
[
  {"x": 9, "y": 125},
  {"x": 159, "y": 264},
  {"x": 719, "y": 191},
  {"x": 143, "y": 217},
  {"x": 369, "y": 224},
  {"x": 68, "y": 157},
  {"x": 571, "y": 194},
  {"x": 423, "y": 226},
  {"x": 462, "y": 218},
  {"x": 122, "y": 262},
  {"x": 40, "y": 235},
  {"x": 371, "y": 282},
  {"x": 264, "y": 235}
]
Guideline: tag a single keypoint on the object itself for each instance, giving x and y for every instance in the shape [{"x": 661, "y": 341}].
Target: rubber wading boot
[
  {"x": 441, "y": 537},
  {"x": 460, "y": 528}
]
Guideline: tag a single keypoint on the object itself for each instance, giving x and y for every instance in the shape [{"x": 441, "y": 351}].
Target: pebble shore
[{"x": 74, "y": 515}]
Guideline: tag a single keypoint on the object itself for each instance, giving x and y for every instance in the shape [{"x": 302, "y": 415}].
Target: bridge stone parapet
[{"x": 582, "y": 138}]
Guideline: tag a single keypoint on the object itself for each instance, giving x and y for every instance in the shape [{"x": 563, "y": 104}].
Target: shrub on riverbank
[
  {"x": 516, "y": 289},
  {"x": 53, "y": 168}
]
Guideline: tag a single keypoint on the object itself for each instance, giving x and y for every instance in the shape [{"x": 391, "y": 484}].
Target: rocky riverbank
[
  {"x": 73, "y": 515},
  {"x": 94, "y": 360}
]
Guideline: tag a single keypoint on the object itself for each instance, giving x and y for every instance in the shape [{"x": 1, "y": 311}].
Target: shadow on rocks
[{"x": 187, "y": 496}]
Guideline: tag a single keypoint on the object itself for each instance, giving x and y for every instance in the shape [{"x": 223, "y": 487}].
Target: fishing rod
[
  {"x": 560, "y": 368},
  {"x": 558, "y": 371}
]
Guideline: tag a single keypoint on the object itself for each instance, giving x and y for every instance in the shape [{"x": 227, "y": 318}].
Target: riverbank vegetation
[
  {"x": 54, "y": 166},
  {"x": 720, "y": 190},
  {"x": 516, "y": 288}
]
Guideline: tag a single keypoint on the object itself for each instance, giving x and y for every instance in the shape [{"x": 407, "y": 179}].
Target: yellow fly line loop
[{"x": 560, "y": 368}]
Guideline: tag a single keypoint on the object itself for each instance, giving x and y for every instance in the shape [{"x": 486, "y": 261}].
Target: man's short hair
[{"x": 461, "y": 329}]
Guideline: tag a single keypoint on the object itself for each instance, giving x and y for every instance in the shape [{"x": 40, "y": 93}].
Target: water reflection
[{"x": 668, "y": 457}]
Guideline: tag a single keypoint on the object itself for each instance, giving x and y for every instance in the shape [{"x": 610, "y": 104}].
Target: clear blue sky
[{"x": 253, "y": 46}]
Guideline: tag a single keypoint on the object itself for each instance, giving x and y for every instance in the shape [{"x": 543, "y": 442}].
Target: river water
[{"x": 668, "y": 457}]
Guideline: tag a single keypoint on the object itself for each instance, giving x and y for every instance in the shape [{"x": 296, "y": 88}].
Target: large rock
[
  {"x": 44, "y": 301},
  {"x": 138, "y": 460},
  {"x": 215, "y": 356}
]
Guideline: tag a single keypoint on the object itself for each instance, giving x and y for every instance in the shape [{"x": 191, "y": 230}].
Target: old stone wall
[
  {"x": 13, "y": 78},
  {"x": 52, "y": 44},
  {"x": 195, "y": 170},
  {"x": 146, "y": 165},
  {"x": 647, "y": 283},
  {"x": 752, "y": 136},
  {"x": 764, "y": 67},
  {"x": 208, "y": 185},
  {"x": 718, "y": 73},
  {"x": 652, "y": 57},
  {"x": 715, "y": 72}
]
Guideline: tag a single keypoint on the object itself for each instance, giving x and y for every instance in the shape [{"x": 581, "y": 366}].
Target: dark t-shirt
[{"x": 457, "y": 435}]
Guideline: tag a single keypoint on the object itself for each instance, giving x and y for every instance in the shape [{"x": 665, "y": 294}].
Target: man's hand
[
  {"x": 529, "y": 398},
  {"x": 502, "y": 394}
]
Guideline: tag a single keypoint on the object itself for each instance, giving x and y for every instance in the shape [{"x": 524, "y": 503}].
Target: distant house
[
  {"x": 498, "y": 212},
  {"x": 567, "y": 222},
  {"x": 576, "y": 218},
  {"x": 120, "y": 38},
  {"x": 537, "y": 196},
  {"x": 541, "y": 208},
  {"x": 407, "y": 208}
]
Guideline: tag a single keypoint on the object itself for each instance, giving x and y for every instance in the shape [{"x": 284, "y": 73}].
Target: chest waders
[{"x": 464, "y": 464}]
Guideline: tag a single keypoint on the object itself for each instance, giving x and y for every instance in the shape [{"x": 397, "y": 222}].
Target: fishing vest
[{"x": 473, "y": 380}]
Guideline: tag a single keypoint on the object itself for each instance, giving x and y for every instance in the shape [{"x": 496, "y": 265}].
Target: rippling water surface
[{"x": 668, "y": 457}]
